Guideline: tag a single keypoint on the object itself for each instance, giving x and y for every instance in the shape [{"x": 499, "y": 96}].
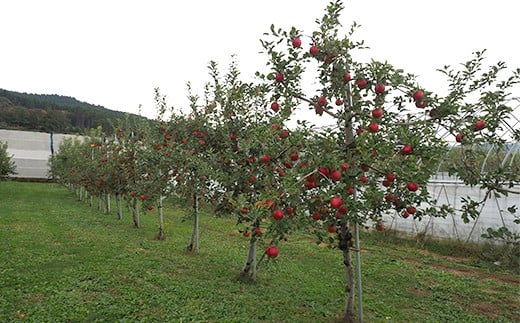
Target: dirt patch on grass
[
  {"x": 461, "y": 266},
  {"x": 492, "y": 306}
]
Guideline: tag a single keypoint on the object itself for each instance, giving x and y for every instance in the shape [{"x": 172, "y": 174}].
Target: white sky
[{"x": 114, "y": 53}]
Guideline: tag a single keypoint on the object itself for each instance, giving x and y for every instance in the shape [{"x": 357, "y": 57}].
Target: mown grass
[{"x": 61, "y": 261}]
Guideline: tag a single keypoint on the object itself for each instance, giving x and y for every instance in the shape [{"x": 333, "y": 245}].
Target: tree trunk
[
  {"x": 135, "y": 213},
  {"x": 345, "y": 243},
  {"x": 160, "y": 235},
  {"x": 107, "y": 202},
  {"x": 119, "y": 207},
  {"x": 99, "y": 198},
  {"x": 193, "y": 244},
  {"x": 251, "y": 259}
]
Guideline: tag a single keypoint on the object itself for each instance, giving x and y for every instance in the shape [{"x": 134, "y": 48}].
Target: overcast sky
[{"x": 114, "y": 53}]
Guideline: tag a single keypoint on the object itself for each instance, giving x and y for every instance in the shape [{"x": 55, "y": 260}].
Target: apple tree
[{"x": 388, "y": 133}]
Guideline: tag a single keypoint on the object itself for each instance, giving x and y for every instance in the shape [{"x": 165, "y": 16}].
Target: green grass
[{"x": 61, "y": 261}]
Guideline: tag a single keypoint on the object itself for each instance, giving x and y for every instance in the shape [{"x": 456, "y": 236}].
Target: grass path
[{"x": 61, "y": 261}]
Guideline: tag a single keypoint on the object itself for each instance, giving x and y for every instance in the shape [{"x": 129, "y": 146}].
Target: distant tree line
[{"x": 61, "y": 114}]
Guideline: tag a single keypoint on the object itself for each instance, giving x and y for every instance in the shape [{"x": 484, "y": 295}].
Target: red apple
[
  {"x": 347, "y": 77},
  {"x": 361, "y": 83},
  {"x": 379, "y": 88},
  {"x": 294, "y": 156},
  {"x": 316, "y": 216},
  {"x": 322, "y": 101},
  {"x": 335, "y": 175},
  {"x": 377, "y": 113},
  {"x": 339, "y": 102},
  {"x": 246, "y": 233},
  {"x": 411, "y": 210},
  {"x": 363, "y": 179},
  {"x": 380, "y": 225},
  {"x": 420, "y": 104},
  {"x": 406, "y": 214},
  {"x": 407, "y": 149},
  {"x": 297, "y": 42},
  {"x": 373, "y": 127},
  {"x": 351, "y": 190},
  {"x": 279, "y": 77},
  {"x": 390, "y": 177},
  {"x": 272, "y": 252},
  {"x": 275, "y": 106},
  {"x": 324, "y": 171},
  {"x": 314, "y": 50},
  {"x": 336, "y": 202},
  {"x": 278, "y": 214},
  {"x": 233, "y": 136},
  {"x": 345, "y": 166},
  {"x": 412, "y": 186},
  {"x": 418, "y": 95},
  {"x": 479, "y": 125},
  {"x": 265, "y": 158},
  {"x": 332, "y": 228},
  {"x": 459, "y": 137}
]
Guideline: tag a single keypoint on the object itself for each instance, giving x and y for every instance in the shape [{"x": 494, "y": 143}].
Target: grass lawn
[{"x": 62, "y": 261}]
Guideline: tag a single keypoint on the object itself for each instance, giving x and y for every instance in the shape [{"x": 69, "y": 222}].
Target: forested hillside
[{"x": 61, "y": 114}]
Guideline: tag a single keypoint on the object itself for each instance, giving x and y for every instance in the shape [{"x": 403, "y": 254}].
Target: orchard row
[{"x": 235, "y": 147}]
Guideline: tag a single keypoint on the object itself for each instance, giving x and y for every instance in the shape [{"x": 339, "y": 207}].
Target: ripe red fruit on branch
[
  {"x": 272, "y": 252},
  {"x": 407, "y": 149},
  {"x": 363, "y": 179},
  {"x": 296, "y": 42},
  {"x": 479, "y": 125},
  {"x": 163, "y": 128},
  {"x": 322, "y": 101},
  {"x": 412, "y": 186},
  {"x": 420, "y": 104},
  {"x": 246, "y": 233},
  {"x": 316, "y": 216},
  {"x": 406, "y": 214},
  {"x": 265, "y": 158},
  {"x": 459, "y": 137},
  {"x": 380, "y": 225},
  {"x": 373, "y": 127},
  {"x": 295, "y": 156},
  {"x": 275, "y": 106},
  {"x": 324, "y": 171},
  {"x": 339, "y": 102},
  {"x": 332, "y": 228},
  {"x": 336, "y": 202},
  {"x": 411, "y": 210},
  {"x": 361, "y": 83},
  {"x": 233, "y": 136},
  {"x": 279, "y": 77},
  {"x": 390, "y": 177},
  {"x": 278, "y": 214},
  {"x": 418, "y": 95},
  {"x": 335, "y": 175},
  {"x": 379, "y": 88},
  {"x": 347, "y": 77},
  {"x": 377, "y": 113},
  {"x": 314, "y": 50}
]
